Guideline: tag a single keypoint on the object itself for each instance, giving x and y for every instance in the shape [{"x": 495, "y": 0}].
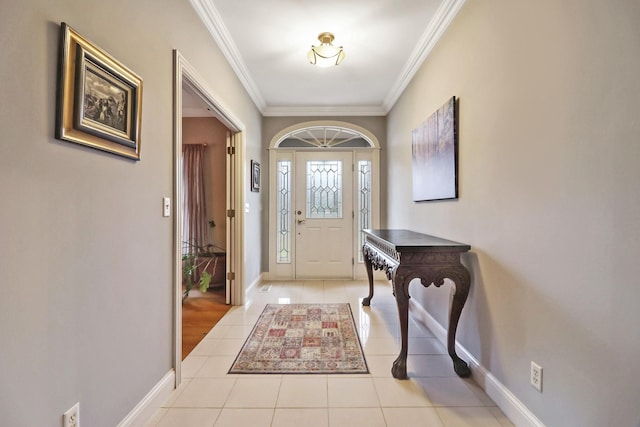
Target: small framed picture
[
  {"x": 255, "y": 176},
  {"x": 99, "y": 99}
]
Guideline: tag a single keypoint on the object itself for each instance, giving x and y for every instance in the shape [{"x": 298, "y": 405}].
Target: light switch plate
[{"x": 166, "y": 206}]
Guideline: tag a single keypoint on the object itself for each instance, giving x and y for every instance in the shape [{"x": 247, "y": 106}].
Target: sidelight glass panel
[
  {"x": 364, "y": 200},
  {"x": 324, "y": 189},
  {"x": 284, "y": 212}
]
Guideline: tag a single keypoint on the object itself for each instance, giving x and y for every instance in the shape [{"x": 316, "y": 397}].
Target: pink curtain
[{"x": 194, "y": 220}]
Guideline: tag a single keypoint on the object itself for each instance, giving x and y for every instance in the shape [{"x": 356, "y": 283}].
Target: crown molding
[
  {"x": 213, "y": 22},
  {"x": 323, "y": 111},
  {"x": 436, "y": 28}
]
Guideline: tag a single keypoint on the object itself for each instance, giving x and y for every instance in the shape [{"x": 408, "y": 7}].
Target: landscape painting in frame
[
  {"x": 99, "y": 98},
  {"x": 435, "y": 155}
]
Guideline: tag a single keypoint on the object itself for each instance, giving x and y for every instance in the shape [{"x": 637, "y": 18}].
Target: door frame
[
  {"x": 184, "y": 73},
  {"x": 280, "y": 271}
]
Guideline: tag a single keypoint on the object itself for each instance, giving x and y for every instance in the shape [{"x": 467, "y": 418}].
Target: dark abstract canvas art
[{"x": 434, "y": 155}]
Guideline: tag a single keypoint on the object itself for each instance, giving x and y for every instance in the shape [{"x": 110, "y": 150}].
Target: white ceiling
[{"x": 266, "y": 43}]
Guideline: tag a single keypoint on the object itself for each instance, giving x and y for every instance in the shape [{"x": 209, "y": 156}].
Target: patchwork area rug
[{"x": 302, "y": 339}]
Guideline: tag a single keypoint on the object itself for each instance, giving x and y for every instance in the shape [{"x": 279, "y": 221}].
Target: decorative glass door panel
[
  {"x": 324, "y": 189},
  {"x": 364, "y": 201},
  {"x": 283, "y": 206}
]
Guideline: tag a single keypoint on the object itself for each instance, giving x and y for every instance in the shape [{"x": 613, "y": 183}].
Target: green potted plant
[{"x": 200, "y": 264}]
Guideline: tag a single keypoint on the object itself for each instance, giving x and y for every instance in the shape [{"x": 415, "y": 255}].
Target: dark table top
[{"x": 411, "y": 241}]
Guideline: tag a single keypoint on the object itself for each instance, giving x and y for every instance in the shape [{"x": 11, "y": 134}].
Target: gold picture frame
[{"x": 99, "y": 99}]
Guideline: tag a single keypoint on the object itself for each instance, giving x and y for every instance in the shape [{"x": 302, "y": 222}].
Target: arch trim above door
[{"x": 335, "y": 128}]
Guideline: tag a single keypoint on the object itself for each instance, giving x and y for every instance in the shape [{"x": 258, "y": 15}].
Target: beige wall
[
  {"x": 85, "y": 254},
  {"x": 549, "y": 197},
  {"x": 209, "y": 130}
]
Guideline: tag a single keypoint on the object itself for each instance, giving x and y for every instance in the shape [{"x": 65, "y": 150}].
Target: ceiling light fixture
[{"x": 326, "y": 55}]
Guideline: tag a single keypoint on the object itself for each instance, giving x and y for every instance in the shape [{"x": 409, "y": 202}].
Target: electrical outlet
[
  {"x": 71, "y": 418},
  {"x": 536, "y": 376}
]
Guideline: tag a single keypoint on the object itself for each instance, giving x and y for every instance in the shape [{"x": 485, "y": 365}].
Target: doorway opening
[
  {"x": 203, "y": 204},
  {"x": 324, "y": 189},
  {"x": 224, "y": 229}
]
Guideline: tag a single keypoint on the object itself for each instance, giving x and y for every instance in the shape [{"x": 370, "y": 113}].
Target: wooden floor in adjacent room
[{"x": 200, "y": 313}]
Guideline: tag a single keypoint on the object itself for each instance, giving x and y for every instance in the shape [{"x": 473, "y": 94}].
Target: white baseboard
[
  {"x": 256, "y": 282},
  {"x": 515, "y": 410},
  {"x": 148, "y": 406}
]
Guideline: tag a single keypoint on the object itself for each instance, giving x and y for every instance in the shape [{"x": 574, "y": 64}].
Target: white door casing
[
  {"x": 323, "y": 215},
  {"x": 185, "y": 74}
]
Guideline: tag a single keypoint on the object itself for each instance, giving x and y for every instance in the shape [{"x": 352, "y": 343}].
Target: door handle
[{"x": 300, "y": 221}]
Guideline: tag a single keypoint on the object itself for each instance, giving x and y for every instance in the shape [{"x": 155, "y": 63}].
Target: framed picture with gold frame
[{"x": 99, "y": 99}]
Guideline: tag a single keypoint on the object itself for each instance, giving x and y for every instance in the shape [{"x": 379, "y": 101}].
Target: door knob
[{"x": 300, "y": 221}]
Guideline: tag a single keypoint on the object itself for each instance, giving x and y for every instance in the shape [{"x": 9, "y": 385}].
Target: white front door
[{"x": 323, "y": 217}]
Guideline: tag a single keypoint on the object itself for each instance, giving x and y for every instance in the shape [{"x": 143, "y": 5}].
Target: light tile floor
[{"x": 433, "y": 396}]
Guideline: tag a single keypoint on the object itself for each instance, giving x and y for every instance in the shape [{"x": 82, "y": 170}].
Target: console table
[{"x": 406, "y": 255}]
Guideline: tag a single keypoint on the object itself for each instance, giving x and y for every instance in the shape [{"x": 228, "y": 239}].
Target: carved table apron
[{"x": 406, "y": 255}]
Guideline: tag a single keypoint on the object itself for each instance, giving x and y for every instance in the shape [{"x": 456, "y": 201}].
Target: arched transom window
[{"x": 324, "y": 137}]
